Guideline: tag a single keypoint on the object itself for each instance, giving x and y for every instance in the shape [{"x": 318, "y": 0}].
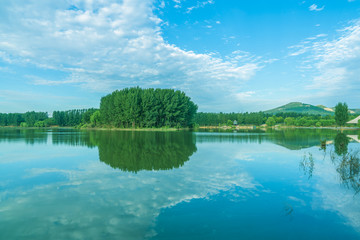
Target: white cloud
[
  {"x": 199, "y": 5},
  {"x": 332, "y": 64},
  {"x": 338, "y": 60},
  {"x": 314, "y": 7},
  {"x": 106, "y": 45}
]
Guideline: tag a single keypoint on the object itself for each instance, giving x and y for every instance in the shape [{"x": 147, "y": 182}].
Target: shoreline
[
  {"x": 242, "y": 127},
  {"x": 252, "y": 127}
]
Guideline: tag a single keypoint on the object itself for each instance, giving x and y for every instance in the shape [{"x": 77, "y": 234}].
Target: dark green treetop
[{"x": 341, "y": 114}]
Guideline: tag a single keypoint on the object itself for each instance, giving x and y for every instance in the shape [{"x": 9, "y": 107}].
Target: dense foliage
[
  {"x": 136, "y": 107},
  {"x": 27, "y": 119},
  {"x": 73, "y": 117}
]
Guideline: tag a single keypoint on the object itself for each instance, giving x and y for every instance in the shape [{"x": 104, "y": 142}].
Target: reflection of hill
[
  {"x": 136, "y": 151},
  {"x": 299, "y": 138},
  {"x": 293, "y": 139}
]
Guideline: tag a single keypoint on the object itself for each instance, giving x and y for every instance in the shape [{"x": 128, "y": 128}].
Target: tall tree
[{"x": 341, "y": 114}]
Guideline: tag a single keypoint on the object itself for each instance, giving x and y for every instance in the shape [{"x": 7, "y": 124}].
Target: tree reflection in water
[
  {"x": 347, "y": 163},
  {"x": 136, "y": 151},
  {"x": 307, "y": 165},
  {"x": 349, "y": 169},
  {"x": 341, "y": 143}
]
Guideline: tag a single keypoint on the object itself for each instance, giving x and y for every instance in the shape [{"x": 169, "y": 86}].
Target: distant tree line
[
  {"x": 259, "y": 118},
  {"x": 40, "y": 119},
  {"x": 28, "y": 119},
  {"x": 215, "y": 119},
  {"x": 136, "y": 107}
]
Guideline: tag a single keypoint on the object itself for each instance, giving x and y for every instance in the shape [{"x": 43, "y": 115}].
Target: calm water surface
[{"x": 69, "y": 184}]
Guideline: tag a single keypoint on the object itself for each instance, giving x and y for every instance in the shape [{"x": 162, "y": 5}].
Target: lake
[{"x": 72, "y": 184}]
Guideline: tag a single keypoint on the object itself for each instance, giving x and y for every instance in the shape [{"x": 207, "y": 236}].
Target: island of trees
[{"x": 165, "y": 108}]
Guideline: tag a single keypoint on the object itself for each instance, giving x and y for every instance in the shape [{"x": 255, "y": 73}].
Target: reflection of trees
[
  {"x": 30, "y": 136},
  {"x": 293, "y": 139},
  {"x": 347, "y": 163},
  {"x": 135, "y": 151},
  {"x": 73, "y": 137},
  {"x": 341, "y": 144},
  {"x": 307, "y": 165},
  {"x": 349, "y": 170}
]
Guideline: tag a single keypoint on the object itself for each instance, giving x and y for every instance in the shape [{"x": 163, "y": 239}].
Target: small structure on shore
[{"x": 354, "y": 121}]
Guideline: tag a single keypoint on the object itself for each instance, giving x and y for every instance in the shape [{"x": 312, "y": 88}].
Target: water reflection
[
  {"x": 347, "y": 163},
  {"x": 136, "y": 151},
  {"x": 124, "y": 150},
  {"x": 349, "y": 170},
  {"x": 307, "y": 164},
  {"x": 293, "y": 139},
  {"x": 341, "y": 142},
  {"x": 94, "y": 201},
  {"x": 30, "y": 136}
]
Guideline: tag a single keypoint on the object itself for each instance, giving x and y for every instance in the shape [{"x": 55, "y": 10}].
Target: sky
[{"x": 228, "y": 55}]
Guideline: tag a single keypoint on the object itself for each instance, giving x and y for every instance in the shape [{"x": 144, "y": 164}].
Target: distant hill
[{"x": 303, "y": 108}]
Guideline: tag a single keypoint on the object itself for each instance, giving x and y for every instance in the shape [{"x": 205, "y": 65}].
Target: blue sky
[{"x": 228, "y": 55}]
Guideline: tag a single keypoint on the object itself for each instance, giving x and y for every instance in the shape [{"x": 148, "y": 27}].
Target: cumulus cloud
[{"x": 106, "y": 45}]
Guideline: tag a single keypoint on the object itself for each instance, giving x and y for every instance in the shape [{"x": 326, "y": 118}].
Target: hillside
[
  {"x": 303, "y": 108},
  {"x": 351, "y": 110}
]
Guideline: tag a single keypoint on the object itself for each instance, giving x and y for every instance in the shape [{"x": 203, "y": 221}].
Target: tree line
[
  {"x": 340, "y": 118},
  {"x": 136, "y": 107},
  {"x": 68, "y": 118},
  {"x": 28, "y": 119}
]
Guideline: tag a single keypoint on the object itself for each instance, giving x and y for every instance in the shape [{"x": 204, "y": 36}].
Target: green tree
[
  {"x": 270, "y": 121},
  {"x": 39, "y": 124},
  {"x": 341, "y": 114},
  {"x": 95, "y": 118},
  {"x": 23, "y": 124},
  {"x": 289, "y": 121}
]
